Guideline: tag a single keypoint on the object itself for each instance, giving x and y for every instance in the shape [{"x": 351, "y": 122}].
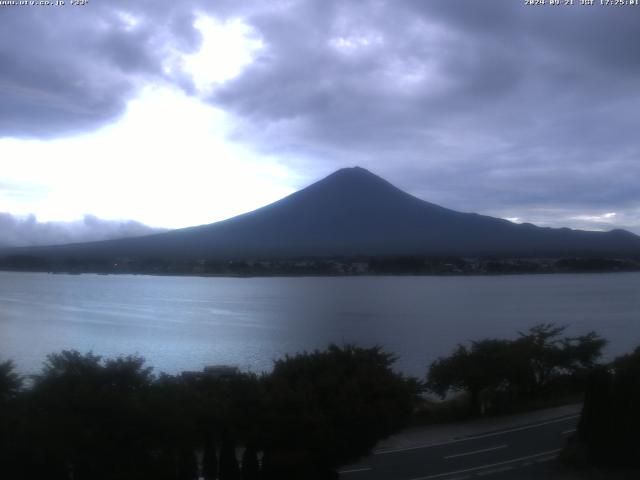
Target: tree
[
  {"x": 595, "y": 426},
  {"x": 582, "y": 353},
  {"x": 610, "y": 420},
  {"x": 538, "y": 361},
  {"x": 10, "y": 381},
  {"x": 474, "y": 370},
  {"x": 176, "y": 434},
  {"x": 250, "y": 465},
  {"x": 90, "y": 416},
  {"x": 229, "y": 469},
  {"x": 187, "y": 465},
  {"x": 550, "y": 355},
  {"x": 209, "y": 461},
  {"x": 625, "y": 407},
  {"x": 10, "y": 385},
  {"x": 327, "y": 408},
  {"x": 85, "y": 417}
]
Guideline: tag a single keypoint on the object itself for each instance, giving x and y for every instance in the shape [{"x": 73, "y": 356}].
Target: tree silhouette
[
  {"x": 474, "y": 370},
  {"x": 91, "y": 415},
  {"x": 85, "y": 417},
  {"x": 10, "y": 382},
  {"x": 610, "y": 420},
  {"x": 250, "y": 465},
  {"x": 209, "y": 461},
  {"x": 551, "y": 355},
  {"x": 328, "y": 408},
  {"x": 595, "y": 426},
  {"x": 229, "y": 469},
  {"x": 523, "y": 368},
  {"x": 10, "y": 386}
]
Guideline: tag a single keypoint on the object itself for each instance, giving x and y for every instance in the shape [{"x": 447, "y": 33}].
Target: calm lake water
[{"x": 185, "y": 323}]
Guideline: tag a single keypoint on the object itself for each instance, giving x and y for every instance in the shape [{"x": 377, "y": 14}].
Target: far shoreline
[{"x": 322, "y": 275}]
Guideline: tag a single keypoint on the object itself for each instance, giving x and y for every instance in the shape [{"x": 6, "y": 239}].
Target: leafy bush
[{"x": 492, "y": 371}]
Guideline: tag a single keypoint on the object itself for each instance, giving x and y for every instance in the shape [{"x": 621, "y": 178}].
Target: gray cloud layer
[
  {"x": 16, "y": 231},
  {"x": 68, "y": 68},
  {"x": 494, "y": 107}
]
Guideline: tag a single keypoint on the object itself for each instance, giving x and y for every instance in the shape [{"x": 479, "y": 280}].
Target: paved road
[{"x": 509, "y": 453}]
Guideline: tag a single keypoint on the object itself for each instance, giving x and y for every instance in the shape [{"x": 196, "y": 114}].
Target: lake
[{"x": 185, "y": 323}]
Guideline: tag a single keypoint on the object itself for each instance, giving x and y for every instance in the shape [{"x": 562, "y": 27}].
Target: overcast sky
[{"x": 181, "y": 113}]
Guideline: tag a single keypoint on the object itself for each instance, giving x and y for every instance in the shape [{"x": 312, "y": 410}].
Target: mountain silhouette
[{"x": 349, "y": 213}]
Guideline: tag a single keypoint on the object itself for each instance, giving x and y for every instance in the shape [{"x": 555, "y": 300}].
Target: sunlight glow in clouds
[
  {"x": 165, "y": 163},
  {"x": 605, "y": 217},
  {"x": 226, "y": 49},
  {"x": 129, "y": 20}
]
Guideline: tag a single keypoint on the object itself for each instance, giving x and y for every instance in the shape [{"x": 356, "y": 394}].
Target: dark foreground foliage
[
  {"x": 608, "y": 430},
  {"x": 84, "y": 417},
  {"x": 497, "y": 374},
  {"x": 328, "y": 408}
]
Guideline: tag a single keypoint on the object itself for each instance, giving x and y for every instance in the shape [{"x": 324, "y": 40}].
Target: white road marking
[
  {"x": 355, "y": 470},
  {"x": 492, "y": 434},
  {"x": 476, "y": 451},
  {"x": 495, "y": 470},
  {"x": 482, "y": 467}
]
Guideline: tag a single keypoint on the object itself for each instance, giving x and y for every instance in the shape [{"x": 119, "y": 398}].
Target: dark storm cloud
[
  {"x": 486, "y": 106},
  {"x": 66, "y": 69},
  {"x": 16, "y": 231}
]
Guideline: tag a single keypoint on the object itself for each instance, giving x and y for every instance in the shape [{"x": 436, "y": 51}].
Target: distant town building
[
  {"x": 221, "y": 371},
  {"x": 214, "y": 372}
]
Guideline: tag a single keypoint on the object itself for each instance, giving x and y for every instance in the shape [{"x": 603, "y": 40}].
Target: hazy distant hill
[
  {"x": 354, "y": 212},
  {"x": 28, "y": 231}
]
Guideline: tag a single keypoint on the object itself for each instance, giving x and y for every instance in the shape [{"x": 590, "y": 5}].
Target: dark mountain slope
[{"x": 354, "y": 212}]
